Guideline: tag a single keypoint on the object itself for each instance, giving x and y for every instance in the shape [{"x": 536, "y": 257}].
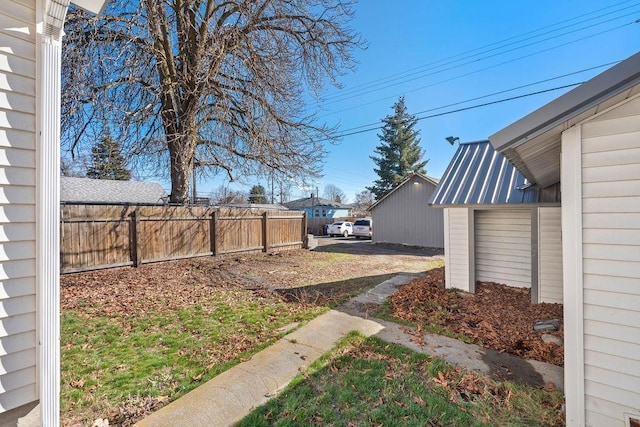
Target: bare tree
[
  {"x": 217, "y": 85},
  {"x": 224, "y": 195},
  {"x": 363, "y": 202},
  {"x": 335, "y": 194}
]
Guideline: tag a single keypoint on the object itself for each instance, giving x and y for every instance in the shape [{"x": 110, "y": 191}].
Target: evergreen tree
[
  {"x": 257, "y": 194},
  {"x": 107, "y": 161},
  {"x": 399, "y": 153}
]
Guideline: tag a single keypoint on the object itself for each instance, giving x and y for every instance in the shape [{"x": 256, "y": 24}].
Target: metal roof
[
  {"x": 532, "y": 143},
  {"x": 86, "y": 190},
  {"x": 479, "y": 175}
]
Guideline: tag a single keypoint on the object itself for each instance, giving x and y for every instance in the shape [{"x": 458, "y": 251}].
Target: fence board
[{"x": 103, "y": 236}]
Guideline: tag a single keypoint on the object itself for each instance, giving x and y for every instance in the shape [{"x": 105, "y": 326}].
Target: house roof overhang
[
  {"x": 93, "y": 6},
  {"x": 532, "y": 143}
]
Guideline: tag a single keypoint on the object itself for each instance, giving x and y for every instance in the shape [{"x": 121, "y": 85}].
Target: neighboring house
[
  {"x": 588, "y": 140},
  {"x": 403, "y": 215},
  {"x": 107, "y": 191},
  {"x": 317, "y": 207},
  {"x": 260, "y": 206},
  {"x": 30, "y": 46},
  {"x": 498, "y": 227}
]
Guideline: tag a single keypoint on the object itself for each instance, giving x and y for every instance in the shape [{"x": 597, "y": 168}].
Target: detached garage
[
  {"x": 404, "y": 217},
  {"x": 497, "y": 226}
]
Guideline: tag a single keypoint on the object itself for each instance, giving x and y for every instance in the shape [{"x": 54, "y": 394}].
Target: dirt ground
[
  {"x": 496, "y": 316},
  {"x": 333, "y": 270}
]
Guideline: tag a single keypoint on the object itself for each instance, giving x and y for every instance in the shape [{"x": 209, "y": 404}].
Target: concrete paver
[{"x": 229, "y": 397}]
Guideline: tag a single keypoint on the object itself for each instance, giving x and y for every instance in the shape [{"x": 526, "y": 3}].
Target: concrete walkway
[{"x": 232, "y": 395}]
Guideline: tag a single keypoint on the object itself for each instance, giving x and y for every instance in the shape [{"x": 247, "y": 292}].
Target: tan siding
[
  {"x": 550, "y": 255},
  {"x": 405, "y": 217},
  {"x": 17, "y": 204},
  {"x": 457, "y": 252},
  {"x": 611, "y": 253},
  {"x": 503, "y": 247}
]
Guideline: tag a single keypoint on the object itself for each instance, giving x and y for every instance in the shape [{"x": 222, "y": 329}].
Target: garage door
[{"x": 503, "y": 247}]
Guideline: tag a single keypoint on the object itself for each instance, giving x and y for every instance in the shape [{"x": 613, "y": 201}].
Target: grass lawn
[
  {"x": 370, "y": 382},
  {"x": 121, "y": 367}
]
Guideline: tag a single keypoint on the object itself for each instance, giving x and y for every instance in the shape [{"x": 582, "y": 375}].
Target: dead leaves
[{"x": 496, "y": 316}]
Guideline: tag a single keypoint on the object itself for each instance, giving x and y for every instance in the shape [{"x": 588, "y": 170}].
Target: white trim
[
  {"x": 48, "y": 213},
  {"x": 471, "y": 245},
  {"x": 447, "y": 250},
  {"x": 571, "y": 182}
]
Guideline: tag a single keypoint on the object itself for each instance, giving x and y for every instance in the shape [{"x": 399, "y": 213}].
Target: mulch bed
[{"x": 496, "y": 316}]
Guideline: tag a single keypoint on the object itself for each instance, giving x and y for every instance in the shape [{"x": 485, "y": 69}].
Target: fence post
[
  {"x": 265, "y": 232},
  {"x": 135, "y": 238},
  {"x": 213, "y": 232},
  {"x": 305, "y": 236}
]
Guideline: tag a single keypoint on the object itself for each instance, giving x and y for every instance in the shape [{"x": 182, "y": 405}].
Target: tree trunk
[{"x": 181, "y": 168}]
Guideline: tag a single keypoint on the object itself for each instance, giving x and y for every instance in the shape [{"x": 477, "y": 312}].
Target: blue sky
[{"x": 445, "y": 52}]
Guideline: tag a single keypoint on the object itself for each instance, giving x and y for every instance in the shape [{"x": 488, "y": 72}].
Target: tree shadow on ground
[{"x": 367, "y": 247}]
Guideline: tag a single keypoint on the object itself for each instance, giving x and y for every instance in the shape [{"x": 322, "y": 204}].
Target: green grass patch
[
  {"x": 111, "y": 359},
  {"x": 370, "y": 382}
]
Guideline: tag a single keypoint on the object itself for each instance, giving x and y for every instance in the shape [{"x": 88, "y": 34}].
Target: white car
[
  {"x": 340, "y": 229},
  {"x": 363, "y": 228}
]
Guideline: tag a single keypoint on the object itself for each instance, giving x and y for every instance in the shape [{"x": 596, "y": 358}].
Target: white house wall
[
  {"x": 550, "y": 255},
  {"x": 18, "y": 343},
  {"x": 405, "y": 217},
  {"x": 611, "y": 264},
  {"x": 457, "y": 251},
  {"x": 503, "y": 246}
]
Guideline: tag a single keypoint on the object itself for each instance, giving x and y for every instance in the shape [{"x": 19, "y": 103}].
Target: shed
[
  {"x": 87, "y": 190},
  {"x": 593, "y": 131},
  {"x": 30, "y": 46},
  {"x": 498, "y": 226},
  {"x": 403, "y": 216}
]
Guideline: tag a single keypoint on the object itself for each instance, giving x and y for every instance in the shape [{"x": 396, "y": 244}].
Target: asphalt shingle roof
[{"x": 86, "y": 190}]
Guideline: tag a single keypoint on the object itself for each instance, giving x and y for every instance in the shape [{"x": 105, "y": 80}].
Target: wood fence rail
[{"x": 98, "y": 236}]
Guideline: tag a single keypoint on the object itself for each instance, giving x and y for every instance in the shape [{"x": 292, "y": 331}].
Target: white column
[
  {"x": 48, "y": 209},
  {"x": 571, "y": 179}
]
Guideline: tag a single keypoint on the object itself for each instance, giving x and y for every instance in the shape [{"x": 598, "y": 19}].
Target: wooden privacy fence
[{"x": 97, "y": 236}]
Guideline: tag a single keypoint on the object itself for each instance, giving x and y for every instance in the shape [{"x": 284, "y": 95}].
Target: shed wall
[
  {"x": 18, "y": 342},
  {"x": 405, "y": 217},
  {"x": 457, "y": 251},
  {"x": 610, "y": 152},
  {"x": 503, "y": 246},
  {"x": 550, "y": 255}
]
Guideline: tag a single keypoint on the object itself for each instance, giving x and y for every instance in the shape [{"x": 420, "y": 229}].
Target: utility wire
[
  {"x": 481, "y": 50},
  {"x": 459, "y": 110},
  {"x": 497, "y": 93},
  {"x": 453, "y": 65},
  {"x": 479, "y": 70}
]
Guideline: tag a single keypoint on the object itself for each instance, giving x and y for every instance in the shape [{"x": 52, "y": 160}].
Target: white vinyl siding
[
  {"x": 503, "y": 247},
  {"x": 17, "y": 204},
  {"x": 550, "y": 255},
  {"x": 611, "y": 264},
  {"x": 404, "y": 216},
  {"x": 457, "y": 249}
]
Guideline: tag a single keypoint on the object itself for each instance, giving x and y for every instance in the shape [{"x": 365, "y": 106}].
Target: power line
[
  {"x": 461, "y": 109},
  {"x": 481, "y": 69},
  {"x": 497, "y": 93},
  {"x": 482, "y": 50}
]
